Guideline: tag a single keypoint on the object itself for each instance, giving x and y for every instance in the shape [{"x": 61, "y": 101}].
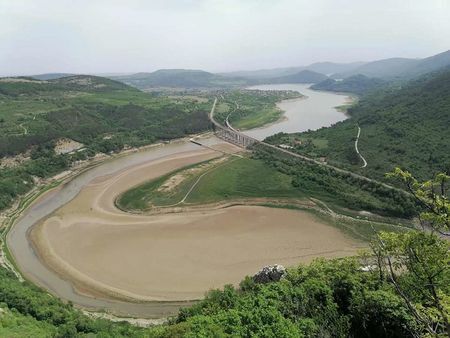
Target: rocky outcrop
[{"x": 270, "y": 273}]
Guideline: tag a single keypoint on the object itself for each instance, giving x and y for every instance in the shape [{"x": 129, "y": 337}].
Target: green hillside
[
  {"x": 405, "y": 127},
  {"x": 102, "y": 114}
]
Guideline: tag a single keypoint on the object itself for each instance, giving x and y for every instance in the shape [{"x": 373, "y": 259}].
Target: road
[{"x": 357, "y": 151}]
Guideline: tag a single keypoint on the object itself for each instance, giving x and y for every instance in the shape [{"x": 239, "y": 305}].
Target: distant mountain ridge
[
  {"x": 186, "y": 78},
  {"x": 386, "y": 69},
  {"x": 178, "y": 78},
  {"x": 304, "y": 76},
  {"x": 319, "y": 67},
  {"x": 402, "y": 68}
]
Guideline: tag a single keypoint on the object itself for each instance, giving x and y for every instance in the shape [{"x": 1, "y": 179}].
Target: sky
[{"x": 112, "y": 36}]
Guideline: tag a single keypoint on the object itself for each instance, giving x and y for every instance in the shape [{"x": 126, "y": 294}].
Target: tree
[
  {"x": 432, "y": 196},
  {"x": 417, "y": 262}
]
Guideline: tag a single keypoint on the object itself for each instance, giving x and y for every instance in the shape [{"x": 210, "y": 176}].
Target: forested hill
[
  {"x": 86, "y": 108},
  {"x": 357, "y": 84},
  {"x": 406, "y": 127}
]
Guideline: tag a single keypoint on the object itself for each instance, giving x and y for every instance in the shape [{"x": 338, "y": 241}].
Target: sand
[{"x": 179, "y": 256}]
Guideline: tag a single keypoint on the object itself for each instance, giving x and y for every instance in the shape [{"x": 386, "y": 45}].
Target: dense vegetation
[
  {"x": 248, "y": 109},
  {"x": 405, "y": 127},
  {"x": 32, "y": 312},
  {"x": 339, "y": 189},
  {"x": 357, "y": 84},
  {"x": 102, "y": 114}
]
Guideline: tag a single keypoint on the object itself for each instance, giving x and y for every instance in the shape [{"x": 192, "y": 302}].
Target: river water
[{"x": 315, "y": 111}]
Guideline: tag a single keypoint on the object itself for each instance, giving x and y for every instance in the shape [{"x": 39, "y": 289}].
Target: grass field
[{"x": 221, "y": 181}]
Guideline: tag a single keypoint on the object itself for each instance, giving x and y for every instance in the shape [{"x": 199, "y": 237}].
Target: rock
[{"x": 270, "y": 273}]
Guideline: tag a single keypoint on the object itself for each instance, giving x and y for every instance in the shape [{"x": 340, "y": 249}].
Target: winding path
[{"x": 356, "y": 148}]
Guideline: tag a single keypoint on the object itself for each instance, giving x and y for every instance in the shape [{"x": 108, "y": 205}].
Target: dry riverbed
[{"x": 179, "y": 256}]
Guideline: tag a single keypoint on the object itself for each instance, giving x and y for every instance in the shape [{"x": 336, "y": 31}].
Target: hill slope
[
  {"x": 102, "y": 114},
  {"x": 405, "y": 127}
]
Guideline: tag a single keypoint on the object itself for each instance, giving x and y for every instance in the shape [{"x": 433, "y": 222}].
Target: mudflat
[{"x": 178, "y": 256}]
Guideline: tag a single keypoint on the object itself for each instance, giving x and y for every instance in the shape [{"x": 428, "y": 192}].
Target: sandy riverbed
[{"x": 107, "y": 252}]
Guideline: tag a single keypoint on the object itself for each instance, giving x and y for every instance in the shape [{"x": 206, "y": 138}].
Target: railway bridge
[{"x": 229, "y": 134}]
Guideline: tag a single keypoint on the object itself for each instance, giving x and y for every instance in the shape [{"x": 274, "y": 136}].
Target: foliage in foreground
[{"x": 399, "y": 289}]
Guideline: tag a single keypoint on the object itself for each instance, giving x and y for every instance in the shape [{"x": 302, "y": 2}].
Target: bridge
[{"x": 229, "y": 134}]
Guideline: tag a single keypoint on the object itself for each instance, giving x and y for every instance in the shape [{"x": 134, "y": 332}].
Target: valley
[{"x": 124, "y": 201}]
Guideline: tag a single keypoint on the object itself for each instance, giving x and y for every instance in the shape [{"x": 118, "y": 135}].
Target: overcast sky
[{"x": 103, "y": 36}]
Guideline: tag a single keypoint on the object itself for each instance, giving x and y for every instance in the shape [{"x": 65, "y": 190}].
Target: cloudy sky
[{"x": 104, "y": 36}]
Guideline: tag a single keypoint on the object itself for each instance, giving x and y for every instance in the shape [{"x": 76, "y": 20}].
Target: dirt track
[{"x": 105, "y": 251}]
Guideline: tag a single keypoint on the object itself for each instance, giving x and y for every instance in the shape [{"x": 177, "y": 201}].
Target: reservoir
[{"x": 315, "y": 111}]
